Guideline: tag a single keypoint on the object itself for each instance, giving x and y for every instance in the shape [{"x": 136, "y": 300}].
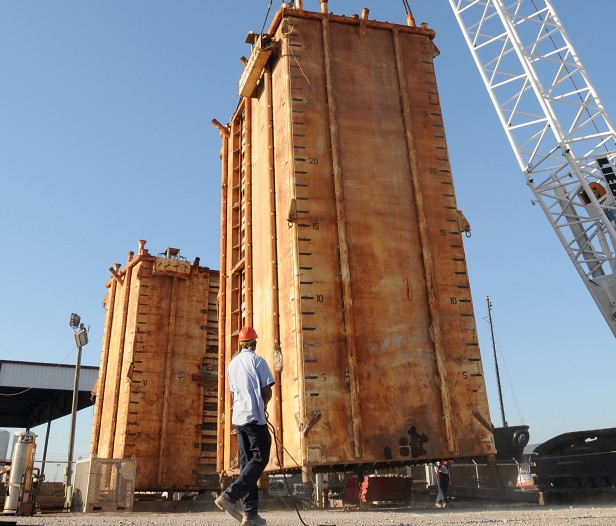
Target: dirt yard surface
[{"x": 603, "y": 515}]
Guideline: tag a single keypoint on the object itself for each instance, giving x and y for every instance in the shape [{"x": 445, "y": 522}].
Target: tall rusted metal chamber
[
  {"x": 342, "y": 246},
  {"x": 156, "y": 396}
]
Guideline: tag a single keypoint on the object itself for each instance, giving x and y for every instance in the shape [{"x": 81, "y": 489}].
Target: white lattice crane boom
[{"x": 560, "y": 132}]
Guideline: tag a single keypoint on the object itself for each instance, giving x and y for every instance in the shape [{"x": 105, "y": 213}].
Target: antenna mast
[{"x": 498, "y": 380}]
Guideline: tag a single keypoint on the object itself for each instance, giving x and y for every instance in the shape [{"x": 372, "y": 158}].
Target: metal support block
[{"x": 256, "y": 64}]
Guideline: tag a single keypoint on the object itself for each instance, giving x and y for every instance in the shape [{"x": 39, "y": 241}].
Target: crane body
[{"x": 560, "y": 132}]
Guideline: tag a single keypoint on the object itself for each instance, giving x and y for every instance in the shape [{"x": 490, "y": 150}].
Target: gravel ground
[{"x": 531, "y": 516}]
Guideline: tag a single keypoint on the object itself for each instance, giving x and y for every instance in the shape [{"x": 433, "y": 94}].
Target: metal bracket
[
  {"x": 483, "y": 421},
  {"x": 292, "y": 215},
  {"x": 278, "y": 360},
  {"x": 261, "y": 52},
  {"x": 305, "y": 427}
]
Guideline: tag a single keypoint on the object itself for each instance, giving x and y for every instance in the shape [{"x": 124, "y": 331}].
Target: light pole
[{"x": 81, "y": 339}]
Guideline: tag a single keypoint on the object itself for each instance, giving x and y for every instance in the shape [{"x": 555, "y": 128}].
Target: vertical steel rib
[
  {"x": 102, "y": 376},
  {"x": 116, "y": 392},
  {"x": 426, "y": 246},
  {"x": 275, "y": 325},
  {"x": 162, "y": 458},
  {"x": 222, "y": 305},
  {"x": 247, "y": 130},
  {"x": 294, "y": 249},
  {"x": 349, "y": 328}
]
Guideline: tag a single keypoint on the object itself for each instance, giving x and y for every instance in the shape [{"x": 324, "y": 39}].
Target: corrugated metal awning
[{"x": 33, "y": 393}]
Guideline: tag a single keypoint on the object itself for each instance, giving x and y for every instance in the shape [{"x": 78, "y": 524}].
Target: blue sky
[{"x": 105, "y": 138}]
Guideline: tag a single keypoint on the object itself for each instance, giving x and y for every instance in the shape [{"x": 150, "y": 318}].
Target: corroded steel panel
[
  {"x": 157, "y": 392},
  {"x": 367, "y": 318}
]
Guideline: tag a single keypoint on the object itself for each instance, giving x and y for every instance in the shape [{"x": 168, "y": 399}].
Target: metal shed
[{"x": 34, "y": 393}]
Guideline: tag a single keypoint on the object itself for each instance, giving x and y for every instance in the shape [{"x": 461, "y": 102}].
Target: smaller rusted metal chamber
[{"x": 156, "y": 396}]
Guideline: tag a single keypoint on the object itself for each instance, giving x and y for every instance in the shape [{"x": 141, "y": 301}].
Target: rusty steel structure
[
  {"x": 342, "y": 246},
  {"x": 156, "y": 395}
]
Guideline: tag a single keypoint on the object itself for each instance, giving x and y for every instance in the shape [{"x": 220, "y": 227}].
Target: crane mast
[{"x": 561, "y": 135}]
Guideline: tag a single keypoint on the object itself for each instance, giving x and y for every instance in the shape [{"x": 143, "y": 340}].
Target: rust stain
[
  {"x": 154, "y": 338},
  {"x": 359, "y": 288}
]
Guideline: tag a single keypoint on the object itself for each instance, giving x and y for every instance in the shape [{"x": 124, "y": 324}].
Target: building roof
[{"x": 33, "y": 393}]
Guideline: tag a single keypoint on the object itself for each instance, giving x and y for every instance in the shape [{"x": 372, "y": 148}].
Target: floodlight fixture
[
  {"x": 81, "y": 339},
  {"x": 74, "y": 321}
]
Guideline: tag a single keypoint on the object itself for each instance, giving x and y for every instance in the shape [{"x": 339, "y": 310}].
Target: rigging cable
[
  {"x": 269, "y": 7},
  {"x": 515, "y": 398},
  {"x": 499, "y": 349},
  {"x": 8, "y": 395},
  {"x": 293, "y": 498}
]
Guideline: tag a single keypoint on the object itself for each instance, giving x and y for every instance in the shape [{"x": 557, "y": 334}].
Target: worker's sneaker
[
  {"x": 225, "y": 503},
  {"x": 254, "y": 520}
]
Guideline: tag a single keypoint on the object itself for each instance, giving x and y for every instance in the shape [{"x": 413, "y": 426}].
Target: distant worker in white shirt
[
  {"x": 250, "y": 380},
  {"x": 441, "y": 474}
]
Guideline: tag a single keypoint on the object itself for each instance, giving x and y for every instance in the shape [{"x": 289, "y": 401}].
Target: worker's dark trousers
[
  {"x": 254, "y": 442},
  {"x": 442, "y": 484}
]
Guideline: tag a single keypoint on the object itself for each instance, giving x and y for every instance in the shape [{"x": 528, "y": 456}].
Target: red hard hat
[{"x": 247, "y": 334}]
